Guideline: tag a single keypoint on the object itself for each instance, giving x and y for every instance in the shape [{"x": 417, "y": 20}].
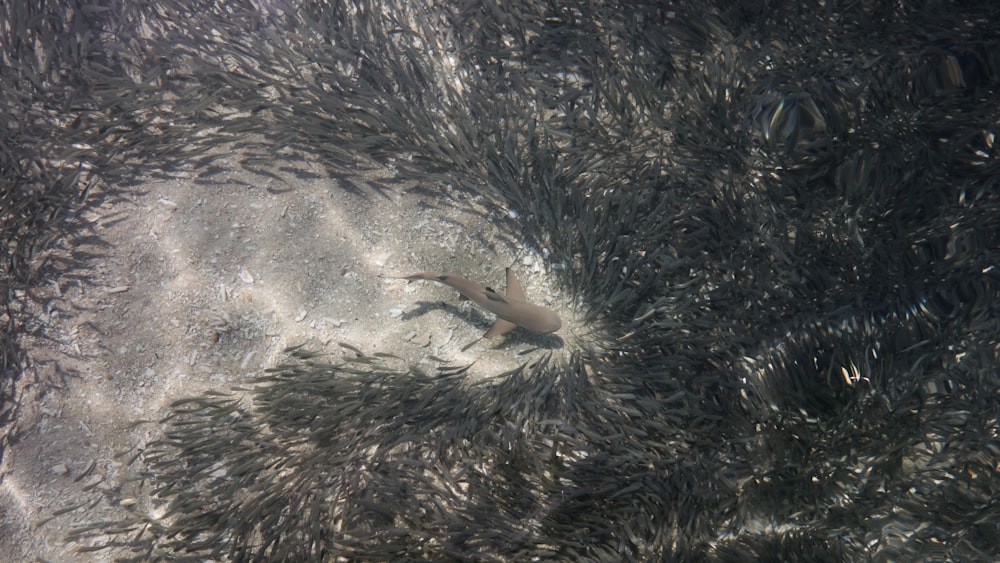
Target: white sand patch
[{"x": 201, "y": 285}]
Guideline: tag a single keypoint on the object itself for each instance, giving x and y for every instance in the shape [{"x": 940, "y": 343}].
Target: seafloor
[{"x": 771, "y": 230}]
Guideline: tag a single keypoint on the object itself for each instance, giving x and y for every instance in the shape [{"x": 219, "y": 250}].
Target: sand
[{"x": 200, "y": 282}]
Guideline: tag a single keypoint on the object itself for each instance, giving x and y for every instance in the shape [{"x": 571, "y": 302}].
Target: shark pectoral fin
[
  {"x": 500, "y": 328},
  {"x": 514, "y": 288}
]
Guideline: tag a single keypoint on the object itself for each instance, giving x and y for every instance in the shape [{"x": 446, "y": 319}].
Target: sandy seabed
[{"x": 201, "y": 282}]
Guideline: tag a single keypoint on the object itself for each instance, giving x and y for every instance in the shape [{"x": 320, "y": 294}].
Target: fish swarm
[{"x": 780, "y": 221}]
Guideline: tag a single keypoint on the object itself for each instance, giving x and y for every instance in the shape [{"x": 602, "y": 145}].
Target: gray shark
[{"x": 511, "y": 309}]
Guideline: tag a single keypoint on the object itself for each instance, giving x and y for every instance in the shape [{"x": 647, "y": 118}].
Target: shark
[{"x": 511, "y": 309}]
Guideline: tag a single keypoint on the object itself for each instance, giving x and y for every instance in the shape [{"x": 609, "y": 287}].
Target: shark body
[{"x": 511, "y": 309}]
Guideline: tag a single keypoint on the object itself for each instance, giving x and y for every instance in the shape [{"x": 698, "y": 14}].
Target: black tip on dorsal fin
[{"x": 494, "y": 296}]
